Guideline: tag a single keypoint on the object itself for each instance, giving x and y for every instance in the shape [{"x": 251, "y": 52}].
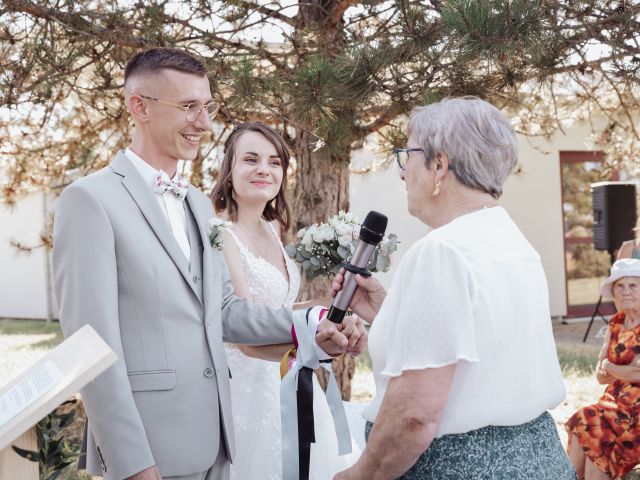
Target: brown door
[{"x": 585, "y": 267}]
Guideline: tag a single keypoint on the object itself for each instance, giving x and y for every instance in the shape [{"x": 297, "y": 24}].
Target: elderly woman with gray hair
[
  {"x": 604, "y": 438},
  {"x": 463, "y": 353}
]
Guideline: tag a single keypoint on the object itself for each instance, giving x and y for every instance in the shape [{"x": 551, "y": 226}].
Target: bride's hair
[{"x": 222, "y": 194}]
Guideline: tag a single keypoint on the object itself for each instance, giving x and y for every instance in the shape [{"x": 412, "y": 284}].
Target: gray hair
[{"x": 477, "y": 137}]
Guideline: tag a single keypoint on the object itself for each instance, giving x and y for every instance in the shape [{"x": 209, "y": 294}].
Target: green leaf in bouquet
[
  {"x": 306, "y": 265},
  {"x": 391, "y": 245},
  {"x": 291, "y": 250},
  {"x": 305, "y": 253},
  {"x": 373, "y": 261},
  {"x": 343, "y": 252},
  {"x": 325, "y": 248},
  {"x": 299, "y": 257},
  {"x": 314, "y": 261},
  {"x": 382, "y": 264},
  {"x": 28, "y": 454},
  {"x": 336, "y": 268}
]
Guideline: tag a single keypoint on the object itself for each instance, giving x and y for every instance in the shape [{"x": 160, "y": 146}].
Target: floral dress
[{"x": 609, "y": 431}]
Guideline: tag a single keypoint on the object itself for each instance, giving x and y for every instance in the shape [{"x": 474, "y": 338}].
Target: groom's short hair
[{"x": 155, "y": 59}]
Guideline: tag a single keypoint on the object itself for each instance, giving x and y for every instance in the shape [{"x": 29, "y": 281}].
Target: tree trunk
[{"x": 321, "y": 190}]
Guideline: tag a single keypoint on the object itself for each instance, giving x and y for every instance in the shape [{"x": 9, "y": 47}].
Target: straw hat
[{"x": 625, "y": 267}]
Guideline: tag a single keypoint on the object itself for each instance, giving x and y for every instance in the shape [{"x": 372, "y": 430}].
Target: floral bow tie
[{"x": 163, "y": 183}]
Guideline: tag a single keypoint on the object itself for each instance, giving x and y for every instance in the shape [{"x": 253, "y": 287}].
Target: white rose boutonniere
[{"x": 216, "y": 232}]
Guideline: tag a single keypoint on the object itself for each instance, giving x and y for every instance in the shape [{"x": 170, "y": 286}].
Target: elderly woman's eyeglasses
[
  {"x": 402, "y": 155},
  {"x": 192, "y": 110}
]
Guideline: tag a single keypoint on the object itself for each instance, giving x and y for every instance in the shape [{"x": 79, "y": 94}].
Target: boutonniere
[{"x": 216, "y": 232}]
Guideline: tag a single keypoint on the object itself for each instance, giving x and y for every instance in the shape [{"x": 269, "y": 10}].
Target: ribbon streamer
[{"x": 296, "y": 404}]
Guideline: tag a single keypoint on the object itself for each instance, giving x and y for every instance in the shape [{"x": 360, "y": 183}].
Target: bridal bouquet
[{"x": 321, "y": 249}]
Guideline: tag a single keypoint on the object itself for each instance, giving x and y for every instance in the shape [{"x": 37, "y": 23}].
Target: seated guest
[
  {"x": 463, "y": 353},
  {"x": 604, "y": 438},
  {"x": 630, "y": 248}
]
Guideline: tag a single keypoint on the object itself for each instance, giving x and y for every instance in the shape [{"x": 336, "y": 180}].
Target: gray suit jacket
[{"x": 118, "y": 268}]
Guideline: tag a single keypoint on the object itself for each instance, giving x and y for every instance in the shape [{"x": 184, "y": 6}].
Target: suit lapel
[
  {"x": 203, "y": 226},
  {"x": 148, "y": 205}
]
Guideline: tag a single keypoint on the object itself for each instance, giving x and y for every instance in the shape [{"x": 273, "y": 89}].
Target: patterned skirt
[{"x": 531, "y": 451}]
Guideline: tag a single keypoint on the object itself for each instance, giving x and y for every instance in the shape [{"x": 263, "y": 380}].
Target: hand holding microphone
[
  {"x": 366, "y": 300},
  {"x": 368, "y": 297}
]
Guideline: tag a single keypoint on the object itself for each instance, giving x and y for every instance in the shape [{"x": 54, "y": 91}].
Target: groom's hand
[
  {"x": 330, "y": 339},
  {"x": 151, "y": 473}
]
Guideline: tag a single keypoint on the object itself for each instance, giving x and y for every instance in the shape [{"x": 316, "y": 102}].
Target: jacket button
[{"x": 208, "y": 372}]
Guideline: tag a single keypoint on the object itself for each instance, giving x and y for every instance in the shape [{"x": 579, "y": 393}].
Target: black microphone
[{"x": 371, "y": 234}]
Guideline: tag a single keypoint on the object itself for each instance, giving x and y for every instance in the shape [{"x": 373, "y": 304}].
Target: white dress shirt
[{"x": 170, "y": 204}]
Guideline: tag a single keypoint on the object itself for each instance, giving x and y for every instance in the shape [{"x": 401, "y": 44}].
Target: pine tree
[{"x": 326, "y": 72}]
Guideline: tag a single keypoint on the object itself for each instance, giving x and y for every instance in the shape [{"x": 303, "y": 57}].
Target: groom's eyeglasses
[
  {"x": 191, "y": 110},
  {"x": 402, "y": 155}
]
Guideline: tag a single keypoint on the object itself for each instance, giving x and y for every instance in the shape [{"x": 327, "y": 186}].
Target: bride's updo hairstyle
[{"x": 222, "y": 195}]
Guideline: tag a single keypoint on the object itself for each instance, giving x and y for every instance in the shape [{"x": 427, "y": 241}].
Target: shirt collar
[{"x": 147, "y": 172}]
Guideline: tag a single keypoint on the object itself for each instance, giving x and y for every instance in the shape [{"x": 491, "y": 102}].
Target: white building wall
[
  {"x": 23, "y": 284},
  {"x": 533, "y": 198}
]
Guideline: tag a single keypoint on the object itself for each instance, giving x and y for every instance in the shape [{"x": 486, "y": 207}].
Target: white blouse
[{"x": 472, "y": 292}]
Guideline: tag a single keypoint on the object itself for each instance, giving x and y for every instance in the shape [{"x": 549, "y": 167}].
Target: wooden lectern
[{"x": 53, "y": 379}]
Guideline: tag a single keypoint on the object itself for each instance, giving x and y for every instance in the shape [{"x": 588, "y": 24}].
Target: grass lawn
[{"x": 22, "y": 342}]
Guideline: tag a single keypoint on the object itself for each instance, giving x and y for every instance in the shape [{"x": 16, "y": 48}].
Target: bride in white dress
[{"x": 251, "y": 193}]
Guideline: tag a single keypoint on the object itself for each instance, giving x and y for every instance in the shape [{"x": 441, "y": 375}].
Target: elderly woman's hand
[
  {"x": 344, "y": 475},
  {"x": 367, "y": 298}
]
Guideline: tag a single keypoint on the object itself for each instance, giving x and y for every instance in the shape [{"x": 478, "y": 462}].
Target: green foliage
[
  {"x": 313, "y": 84},
  {"x": 33, "y": 327},
  {"x": 578, "y": 360},
  {"x": 495, "y": 29},
  {"x": 55, "y": 453}
]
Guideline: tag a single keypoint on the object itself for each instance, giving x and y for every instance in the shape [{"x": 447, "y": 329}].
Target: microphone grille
[
  {"x": 376, "y": 222},
  {"x": 373, "y": 227}
]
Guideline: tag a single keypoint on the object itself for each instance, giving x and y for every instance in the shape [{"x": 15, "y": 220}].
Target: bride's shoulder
[{"x": 235, "y": 264}]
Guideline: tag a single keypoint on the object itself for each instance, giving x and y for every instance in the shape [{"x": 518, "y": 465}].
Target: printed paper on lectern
[{"x": 50, "y": 381}]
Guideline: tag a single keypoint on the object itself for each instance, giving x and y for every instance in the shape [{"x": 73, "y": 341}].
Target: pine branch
[
  {"x": 336, "y": 13},
  {"x": 382, "y": 121},
  {"x": 76, "y": 23},
  {"x": 270, "y": 13}
]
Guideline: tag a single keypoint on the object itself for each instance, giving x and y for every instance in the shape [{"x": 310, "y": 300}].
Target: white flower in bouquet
[
  {"x": 216, "y": 232},
  {"x": 345, "y": 241},
  {"x": 344, "y": 229},
  {"x": 323, "y": 233},
  {"x": 321, "y": 249}
]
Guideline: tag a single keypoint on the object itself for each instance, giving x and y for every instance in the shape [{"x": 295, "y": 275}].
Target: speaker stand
[{"x": 596, "y": 311}]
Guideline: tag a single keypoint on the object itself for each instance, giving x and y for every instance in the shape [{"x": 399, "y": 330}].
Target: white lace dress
[{"x": 255, "y": 389}]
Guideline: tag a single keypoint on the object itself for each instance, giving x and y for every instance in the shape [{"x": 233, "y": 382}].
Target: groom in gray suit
[{"x": 132, "y": 259}]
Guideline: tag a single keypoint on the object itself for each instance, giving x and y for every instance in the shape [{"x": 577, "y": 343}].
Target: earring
[{"x": 436, "y": 191}]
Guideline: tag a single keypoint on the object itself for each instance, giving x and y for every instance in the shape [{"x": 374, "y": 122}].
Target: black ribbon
[
  {"x": 306, "y": 428},
  {"x": 356, "y": 270}
]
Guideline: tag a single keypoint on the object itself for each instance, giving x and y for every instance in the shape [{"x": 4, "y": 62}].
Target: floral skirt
[{"x": 531, "y": 451}]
